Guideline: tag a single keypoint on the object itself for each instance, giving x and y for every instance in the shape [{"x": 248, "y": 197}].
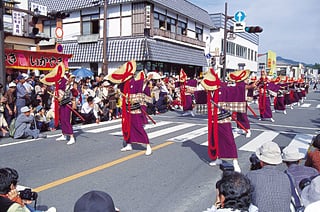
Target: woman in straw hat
[
  {"x": 221, "y": 143},
  {"x": 132, "y": 114}
]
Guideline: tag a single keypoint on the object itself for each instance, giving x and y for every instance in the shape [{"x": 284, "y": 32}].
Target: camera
[
  {"x": 27, "y": 194},
  {"x": 226, "y": 167},
  {"x": 255, "y": 162}
]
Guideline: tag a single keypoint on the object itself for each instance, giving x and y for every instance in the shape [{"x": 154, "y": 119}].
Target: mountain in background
[{"x": 282, "y": 60}]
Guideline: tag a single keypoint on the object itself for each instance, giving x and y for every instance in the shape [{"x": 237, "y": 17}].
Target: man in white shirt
[{"x": 88, "y": 111}]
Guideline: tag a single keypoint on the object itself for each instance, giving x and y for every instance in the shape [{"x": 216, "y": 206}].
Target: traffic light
[
  {"x": 213, "y": 61},
  {"x": 54, "y": 15},
  {"x": 34, "y": 22},
  {"x": 253, "y": 29},
  {"x": 222, "y": 59}
]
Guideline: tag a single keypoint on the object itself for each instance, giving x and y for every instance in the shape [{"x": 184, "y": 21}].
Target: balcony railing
[{"x": 182, "y": 38}]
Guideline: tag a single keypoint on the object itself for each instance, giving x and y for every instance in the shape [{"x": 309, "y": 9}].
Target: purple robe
[
  {"x": 190, "y": 83},
  {"x": 65, "y": 112},
  {"x": 137, "y": 120}
]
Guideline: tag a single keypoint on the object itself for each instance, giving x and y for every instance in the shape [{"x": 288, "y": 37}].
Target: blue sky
[{"x": 291, "y": 28}]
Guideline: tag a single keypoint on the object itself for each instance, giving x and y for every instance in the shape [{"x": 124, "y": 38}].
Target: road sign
[
  {"x": 239, "y": 16},
  {"x": 239, "y": 27}
]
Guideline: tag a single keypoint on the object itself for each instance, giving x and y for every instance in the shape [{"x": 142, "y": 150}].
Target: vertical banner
[
  {"x": 272, "y": 62},
  {"x": 17, "y": 22}
]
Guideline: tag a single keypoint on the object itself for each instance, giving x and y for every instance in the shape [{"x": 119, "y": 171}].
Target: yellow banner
[{"x": 272, "y": 62}]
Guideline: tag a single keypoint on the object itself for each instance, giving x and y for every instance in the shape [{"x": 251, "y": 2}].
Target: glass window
[
  {"x": 90, "y": 24},
  {"x": 181, "y": 28},
  {"x": 199, "y": 32},
  {"x": 49, "y": 28},
  {"x": 171, "y": 25}
]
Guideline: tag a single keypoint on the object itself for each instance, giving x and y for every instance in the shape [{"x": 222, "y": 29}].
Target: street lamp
[{"x": 2, "y": 54}]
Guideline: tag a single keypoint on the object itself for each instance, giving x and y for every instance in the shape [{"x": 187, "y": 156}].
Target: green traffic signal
[{"x": 253, "y": 29}]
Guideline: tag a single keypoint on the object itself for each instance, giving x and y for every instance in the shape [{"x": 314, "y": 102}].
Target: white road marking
[
  {"x": 190, "y": 135},
  {"x": 305, "y": 105},
  {"x": 302, "y": 142},
  {"x": 318, "y": 106},
  {"x": 265, "y": 136}
]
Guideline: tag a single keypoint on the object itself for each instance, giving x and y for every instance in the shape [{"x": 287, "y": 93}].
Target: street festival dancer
[
  {"x": 239, "y": 78},
  {"x": 62, "y": 101},
  {"x": 132, "y": 114},
  {"x": 187, "y": 89},
  {"x": 266, "y": 88},
  {"x": 224, "y": 101}
]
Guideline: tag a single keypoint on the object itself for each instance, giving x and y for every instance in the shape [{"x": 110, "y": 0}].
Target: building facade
[{"x": 161, "y": 35}]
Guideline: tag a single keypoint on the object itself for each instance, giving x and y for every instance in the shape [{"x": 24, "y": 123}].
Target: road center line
[{"x": 96, "y": 169}]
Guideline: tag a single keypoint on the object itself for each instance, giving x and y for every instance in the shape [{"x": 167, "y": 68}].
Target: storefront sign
[{"x": 44, "y": 61}]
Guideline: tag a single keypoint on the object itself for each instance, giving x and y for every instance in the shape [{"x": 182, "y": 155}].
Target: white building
[{"x": 242, "y": 48}]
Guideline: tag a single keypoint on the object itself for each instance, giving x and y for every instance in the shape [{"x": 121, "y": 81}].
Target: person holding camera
[
  {"x": 12, "y": 200},
  {"x": 313, "y": 157},
  {"x": 272, "y": 190},
  {"x": 234, "y": 193}
]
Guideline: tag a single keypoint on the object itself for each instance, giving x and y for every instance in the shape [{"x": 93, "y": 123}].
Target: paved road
[{"x": 176, "y": 177}]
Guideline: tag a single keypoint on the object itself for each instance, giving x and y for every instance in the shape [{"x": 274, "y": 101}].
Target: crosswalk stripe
[
  {"x": 301, "y": 142},
  {"x": 318, "y": 106},
  {"x": 169, "y": 130},
  {"x": 103, "y": 129},
  {"x": 206, "y": 142},
  {"x": 252, "y": 145},
  {"x": 164, "y": 131},
  {"x": 305, "y": 105},
  {"x": 190, "y": 135},
  {"x": 159, "y": 124}
]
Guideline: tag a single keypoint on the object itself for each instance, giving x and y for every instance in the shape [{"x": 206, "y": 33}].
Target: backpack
[{"x": 12, "y": 128}]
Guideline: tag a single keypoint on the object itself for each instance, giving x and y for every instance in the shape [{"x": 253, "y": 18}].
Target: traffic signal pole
[{"x": 224, "y": 54}]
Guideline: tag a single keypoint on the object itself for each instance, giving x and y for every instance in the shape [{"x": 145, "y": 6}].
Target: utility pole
[
  {"x": 2, "y": 53},
  {"x": 224, "y": 54},
  {"x": 105, "y": 40}
]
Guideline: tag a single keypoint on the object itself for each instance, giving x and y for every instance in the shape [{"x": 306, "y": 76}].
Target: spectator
[
  {"x": 89, "y": 112},
  {"x": 43, "y": 123},
  {"x": 10, "y": 200},
  {"x": 234, "y": 193},
  {"x": 95, "y": 201},
  {"x": 272, "y": 190},
  {"x": 292, "y": 157},
  {"x": 311, "y": 195},
  {"x": 23, "y": 125},
  {"x": 22, "y": 94},
  {"x": 313, "y": 157},
  {"x": 10, "y": 109},
  {"x": 3, "y": 123}
]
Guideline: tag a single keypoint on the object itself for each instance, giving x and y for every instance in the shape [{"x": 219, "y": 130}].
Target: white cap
[{"x": 12, "y": 84}]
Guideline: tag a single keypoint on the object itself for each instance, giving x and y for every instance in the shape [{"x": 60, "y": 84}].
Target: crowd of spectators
[{"x": 95, "y": 98}]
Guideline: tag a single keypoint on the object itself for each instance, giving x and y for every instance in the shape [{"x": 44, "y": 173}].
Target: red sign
[{"x": 44, "y": 61}]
